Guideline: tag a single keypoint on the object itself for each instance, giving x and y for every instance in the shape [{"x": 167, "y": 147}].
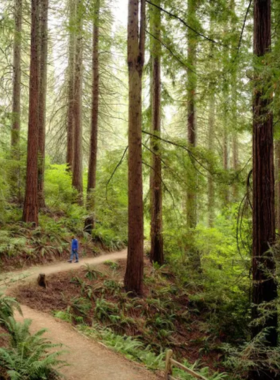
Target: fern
[{"x": 28, "y": 356}]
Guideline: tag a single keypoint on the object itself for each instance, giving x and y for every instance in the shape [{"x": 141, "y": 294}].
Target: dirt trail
[{"x": 88, "y": 359}]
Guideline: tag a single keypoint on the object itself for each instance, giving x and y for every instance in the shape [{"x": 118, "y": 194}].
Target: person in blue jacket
[{"x": 74, "y": 250}]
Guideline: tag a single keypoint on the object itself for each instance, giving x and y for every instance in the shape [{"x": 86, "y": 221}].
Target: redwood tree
[
  {"x": 156, "y": 185},
  {"x": 15, "y": 135},
  {"x": 94, "y": 110},
  {"x": 264, "y": 284},
  {"x": 77, "y": 180},
  {"x": 43, "y": 45},
  {"x": 71, "y": 83},
  {"x": 30, "y": 210},
  {"x": 135, "y": 58},
  {"x": 191, "y": 95}
]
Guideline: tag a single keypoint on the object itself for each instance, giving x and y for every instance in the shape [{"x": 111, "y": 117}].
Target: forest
[{"x": 148, "y": 130}]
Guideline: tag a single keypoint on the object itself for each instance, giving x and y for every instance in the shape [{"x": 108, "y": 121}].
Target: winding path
[{"x": 88, "y": 359}]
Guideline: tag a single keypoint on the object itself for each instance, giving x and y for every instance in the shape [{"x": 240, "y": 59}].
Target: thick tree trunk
[
  {"x": 71, "y": 84},
  {"x": 264, "y": 284},
  {"x": 77, "y": 181},
  {"x": 44, "y": 5},
  {"x": 94, "y": 111},
  {"x": 15, "y": 135},
  {"x": 191, "y": 90},
  {"x": 156, "y": 185},
  {"x": 135, "y": 57},
  {"x": 30, "y": 210}
]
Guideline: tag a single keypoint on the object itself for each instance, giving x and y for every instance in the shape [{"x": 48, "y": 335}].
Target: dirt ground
[{"x": 88, "y": 359}]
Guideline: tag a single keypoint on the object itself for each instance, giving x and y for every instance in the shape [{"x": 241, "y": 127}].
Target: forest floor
[{"x": 87, "y": 358}]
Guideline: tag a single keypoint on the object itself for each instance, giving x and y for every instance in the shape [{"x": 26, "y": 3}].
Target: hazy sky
[{"x": 120, "y": 11}]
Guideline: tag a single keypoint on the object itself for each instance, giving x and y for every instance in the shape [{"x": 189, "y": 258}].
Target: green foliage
[
  {"x": 7, "y": 306},
  {"x": 9, "y": 244},
  {"x": 112, "y": 264},
  {"x": 132, "y": 348},
  {"x": 253, "y": 355},
  {"x": 180, "y": 374},
  {"x": 59, "y": 192},
  {"x": 64, "y": 315},
  {"x": 104, "y": 310},
  {"x": 80, "y": 306},
  {"x": 27, "y": 356},
  {"x": 91, "y": 273}
]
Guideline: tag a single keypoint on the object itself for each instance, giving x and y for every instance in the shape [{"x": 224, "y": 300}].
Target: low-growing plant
[
  {"x": 80, "y": 305},
  {"x": 7, "y": 306},
  {"x": 104, "y": 309},
  {"x": 90, "y": 273},
  {"x": 112, "y": 264},
  {"x": 28, "y": 356}
]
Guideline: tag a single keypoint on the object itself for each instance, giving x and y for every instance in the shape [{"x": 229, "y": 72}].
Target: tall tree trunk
[
  {"x": 15, "y": 135},
  {"x": 44, "y": 5},
  {"x": 264, "y": 284},
  {"x": 277, "y": 171},
  {"x": 77, "y": 181},
  {"x": 191, "y": 90},
  {"x": 156, "y": 186},
  {"x": 234, "y": 95},
  {"x": 30, "y": 210},
  {"x": 211, "y": 131},
  {"x": 225, "y": 188},
  {"x": 94, "y": 111},
  {"x": 71, "y": 83},
  {"x": 235, "y": 162},
  {"x": 135, "y": 58}
]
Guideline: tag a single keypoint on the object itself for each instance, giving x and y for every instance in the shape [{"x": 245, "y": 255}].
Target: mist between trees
[{"x": 162, "y": 135}]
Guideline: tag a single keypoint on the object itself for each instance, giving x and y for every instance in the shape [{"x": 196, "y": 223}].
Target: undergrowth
[{"x": 26, "y": 356}]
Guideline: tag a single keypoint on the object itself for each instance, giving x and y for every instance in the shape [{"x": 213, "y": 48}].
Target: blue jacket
[{"x": 74, "y": 245}]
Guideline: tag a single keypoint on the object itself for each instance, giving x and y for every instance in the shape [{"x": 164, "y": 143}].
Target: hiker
[{"x": 74, "y": 250}]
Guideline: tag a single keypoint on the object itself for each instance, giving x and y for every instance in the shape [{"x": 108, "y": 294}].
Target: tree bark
[
  {"x": 71, "y": 84},
  {"x": 211, "y": 131},
  {"x": 277, "y": 187},
  {"x": 15, "y": 135},
  {"x": 30, "y": 210},
  {"x": 264, "y": 284},
  {"x": 156, "y": 185},
  {"x": 44, "y": 5},
  {"x": 191, "y": 94},
  {"x": 94, "y": 111},
  {"x": 135, "y": 58},
  {"x": 235, "y": 162},
  {"x": 77, "y": 180}
]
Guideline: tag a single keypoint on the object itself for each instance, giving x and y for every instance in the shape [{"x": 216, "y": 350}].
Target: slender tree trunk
[
  {"x": 156, "y": 188},
  {"x": 15, "y": 135},
  {"x": 264, "y": 284},
  {"x": 71, "y": 84},
  {"x": 211, "y": 131},
  {"x": 44, "y": 5},
  {"x": 30, "y": 210},
  {"x": 225, "y": 158},
  {"x": 234, "y": 95},
  {"x": 235, "y": 162},
  {"x": 77, "y": 181},
  {"x": 191, "y": 90},
  {"x": 277, "y": 171},
  {"x": 94, "y": 111},
  {"x": 225, "y": 188},
  {"x": 135, "y": 57}
]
